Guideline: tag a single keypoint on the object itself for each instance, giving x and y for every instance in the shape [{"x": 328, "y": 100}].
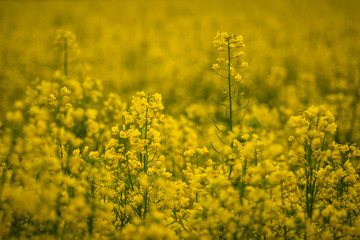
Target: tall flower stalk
[
  {"x": 66, "y": 46},
  {"x": 229, "y": 69}
]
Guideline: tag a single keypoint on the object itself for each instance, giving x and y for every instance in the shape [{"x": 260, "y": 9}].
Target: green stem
[
  {"x": 284, "y": 211},
  {"x": 129, "y": 174},
  {"x": 145, "y": 137},
  {"x": 65, "y": 56},
  {"x": 230, "y": 171},
  {"x": 229, "y": 82},
  {"x": 145, "y": 202},
  {"x": 242, "y": 183}
]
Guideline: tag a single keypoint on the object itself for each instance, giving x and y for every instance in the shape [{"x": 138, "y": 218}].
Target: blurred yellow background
[{"x": 299, "y": 52}]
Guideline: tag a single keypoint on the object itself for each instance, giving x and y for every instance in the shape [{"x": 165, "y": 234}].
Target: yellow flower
[
  {"x": 91, "y": 113},
  {"x": 115, "y": 129},
  {"x": 144, "y": 181},
  {"x": 238, "y": 54},
  {"x": 189, "y": 152},
  {"x": 94, "y": 154},
  {"x": 209, "y": 162},
  {"x": 202, "y": 151},
  {"x": 244, "y": 64},
  {"x": 65, "y": 91},
  {"x": 238, "y": 77},
  {"x": 215, "y": 66},
  {"x": 232, "y": 71}
]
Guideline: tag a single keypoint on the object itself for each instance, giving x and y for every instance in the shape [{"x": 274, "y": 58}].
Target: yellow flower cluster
[
  {"x": 77, "y": 163},
  {"x": 225, "y": 41},
  {"x": 52, "y": 180}
]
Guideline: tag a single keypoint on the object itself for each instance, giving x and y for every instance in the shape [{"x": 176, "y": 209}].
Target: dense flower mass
[{"x": 80, "y": 162}]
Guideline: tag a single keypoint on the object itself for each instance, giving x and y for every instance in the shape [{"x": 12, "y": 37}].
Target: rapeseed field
[{"x": 180, "y": 119}]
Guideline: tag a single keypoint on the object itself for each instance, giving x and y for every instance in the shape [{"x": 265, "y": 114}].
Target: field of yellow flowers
[{"x": 180, "y": 119}]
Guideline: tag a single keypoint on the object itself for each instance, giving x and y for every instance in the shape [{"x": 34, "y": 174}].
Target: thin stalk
[
  {"x": 90, "y": 220},
  {"x": 145, "y": 202},
  {"x": 65, "y": 57},
  {"x": 145, "y": 137},
  {"x": 242, "y": 183},
  {"x": 231, "y": 169},
  {"x": 229, "y": 82},
  {"x": 129, "y": 174},
  {"x": 283, "y": 204}
]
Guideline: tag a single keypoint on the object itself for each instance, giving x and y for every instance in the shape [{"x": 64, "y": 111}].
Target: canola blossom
[{"x": 80, "y": 162}]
